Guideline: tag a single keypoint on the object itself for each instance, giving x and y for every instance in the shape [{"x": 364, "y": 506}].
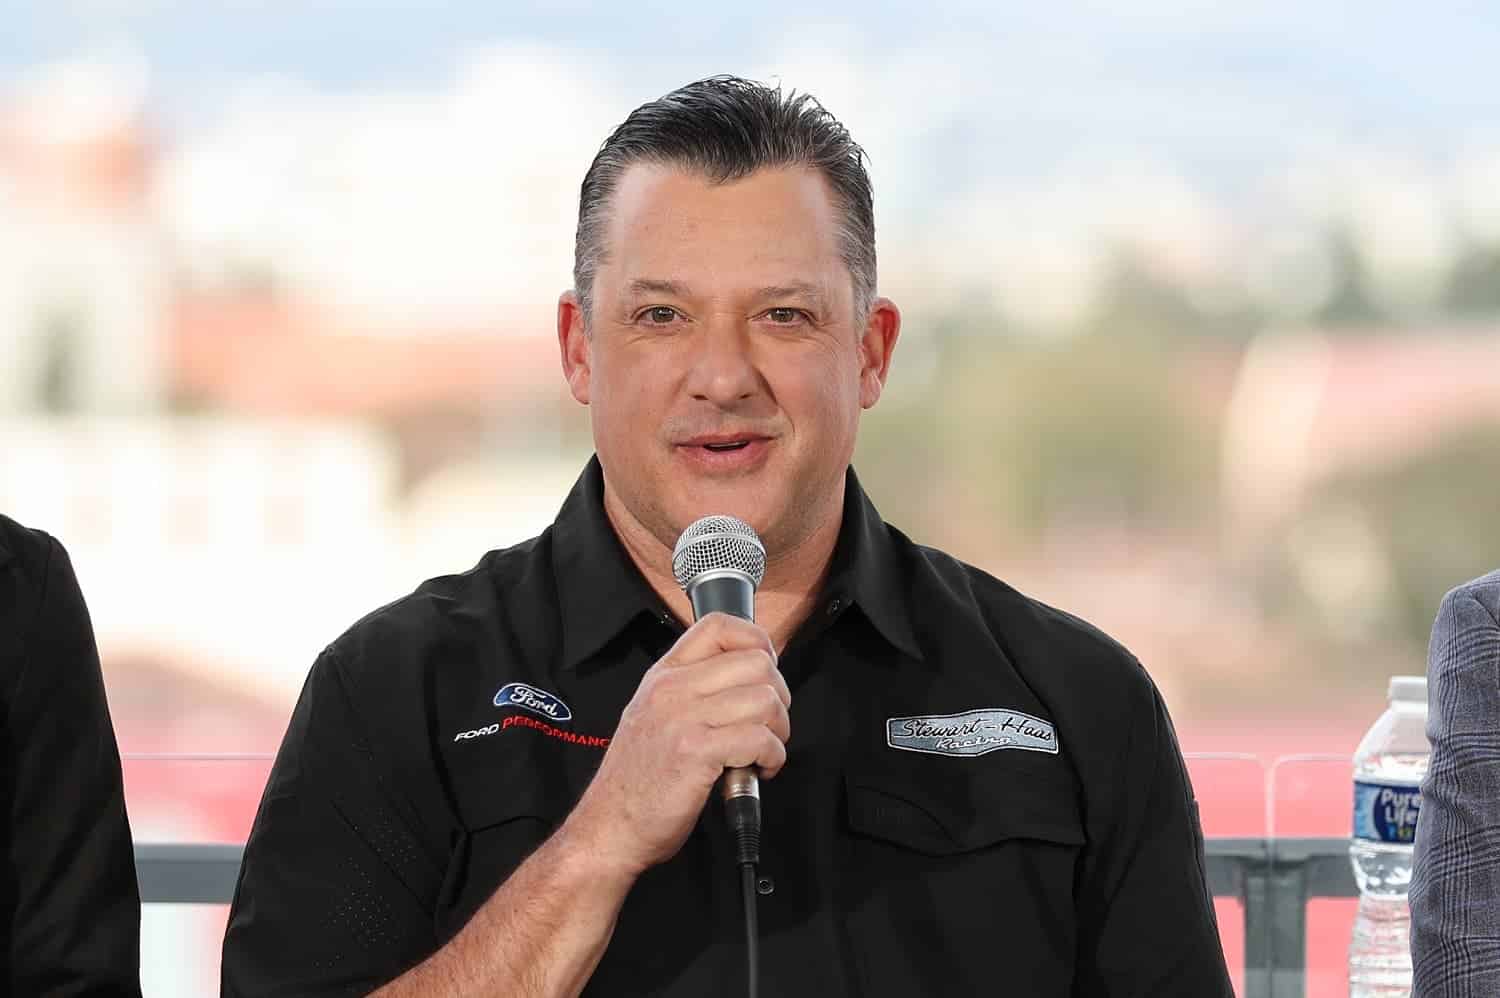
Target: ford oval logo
[{"x": 538, "y": 701}]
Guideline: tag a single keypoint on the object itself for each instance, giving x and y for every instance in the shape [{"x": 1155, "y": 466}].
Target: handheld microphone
[{"x": 719, "y": 562}]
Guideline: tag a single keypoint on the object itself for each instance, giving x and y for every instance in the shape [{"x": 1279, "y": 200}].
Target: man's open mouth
[{"x": 731, "y": 445}]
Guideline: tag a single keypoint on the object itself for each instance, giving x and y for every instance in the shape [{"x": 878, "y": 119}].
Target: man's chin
[{"x": 756, "y": 506}]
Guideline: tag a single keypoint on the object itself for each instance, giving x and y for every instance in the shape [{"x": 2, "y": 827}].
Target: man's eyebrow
[
  {"x": 648, "y": 286},
  {"x": 796, "y": 289},
  {"x": 677, "y": 289}
]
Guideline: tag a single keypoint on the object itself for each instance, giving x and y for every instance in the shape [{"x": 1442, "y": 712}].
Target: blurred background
[{"x": 1202, "y": 333}]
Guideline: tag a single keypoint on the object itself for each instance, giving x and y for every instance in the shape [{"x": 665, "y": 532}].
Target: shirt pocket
[
  {"x": 959, "y": 816},
  {"x": 506, "y": 807},
  {"x": 961, "y": 875}
]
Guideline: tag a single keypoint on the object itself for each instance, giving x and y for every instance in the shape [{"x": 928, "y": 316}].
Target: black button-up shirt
[
  {"x": 70, "y": 908},
  {"x": 1042, "y": 842}
]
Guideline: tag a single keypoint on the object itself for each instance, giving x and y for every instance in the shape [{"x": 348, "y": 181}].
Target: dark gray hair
[{"x": 726, "y": 128}]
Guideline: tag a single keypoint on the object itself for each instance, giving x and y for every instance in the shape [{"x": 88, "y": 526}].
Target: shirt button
[
  {"x": 765, "y": 885},
  {"x": 835, "y": 606}
]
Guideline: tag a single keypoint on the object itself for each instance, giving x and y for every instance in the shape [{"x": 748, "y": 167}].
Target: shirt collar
[
  {"x": 601, "y": 592},
  {"x": 869, "y": 571}
]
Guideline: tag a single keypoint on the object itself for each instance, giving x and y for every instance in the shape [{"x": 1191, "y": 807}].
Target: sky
[
  {"x": 1010, "y": 142},
  {"x": 1373, "y": 66}
]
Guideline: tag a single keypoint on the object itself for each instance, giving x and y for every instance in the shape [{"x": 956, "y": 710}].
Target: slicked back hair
[{"x": 726, "y": 128}]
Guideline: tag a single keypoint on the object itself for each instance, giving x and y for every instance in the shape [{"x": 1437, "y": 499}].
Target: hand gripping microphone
[{"x": 719, "y": 561}]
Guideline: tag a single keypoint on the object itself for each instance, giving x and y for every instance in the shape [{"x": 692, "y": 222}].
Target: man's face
[{"x": 725, "y": 366}]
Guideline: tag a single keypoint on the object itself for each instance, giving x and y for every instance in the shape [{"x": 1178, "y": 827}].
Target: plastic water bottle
[{"x": 1388, "y": 767}]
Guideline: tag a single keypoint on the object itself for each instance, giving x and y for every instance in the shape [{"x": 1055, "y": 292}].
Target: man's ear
[
  {"x": 876, "y": 344},
  {"x": 573, "y": 343}
]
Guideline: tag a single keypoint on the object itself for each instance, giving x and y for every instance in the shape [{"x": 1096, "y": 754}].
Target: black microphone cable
[
  {"x": 752, "y": 931},
  {"x": 743, "y": 816}
]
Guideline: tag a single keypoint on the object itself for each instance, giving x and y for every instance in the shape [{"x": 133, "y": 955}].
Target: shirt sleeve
[
  {"x": 75, "y": 928},
  {"x": 335, "y": 894},
  {"x": 1146, "y": 917},
  {"x": 1455, "y": 930}
]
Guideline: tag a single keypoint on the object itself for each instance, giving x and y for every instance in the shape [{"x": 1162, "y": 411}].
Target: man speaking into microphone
[{"x": 504, "y": 784}]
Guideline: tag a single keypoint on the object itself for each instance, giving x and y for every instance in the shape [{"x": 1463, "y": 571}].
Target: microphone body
[
  {"x": 728, "y": 591},
  {"x": 719, "y": 561}
]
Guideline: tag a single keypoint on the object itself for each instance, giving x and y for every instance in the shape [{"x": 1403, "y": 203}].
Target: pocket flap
[
  {"x": 492, "y": 788},
  {"x": 961, "y": 815}
]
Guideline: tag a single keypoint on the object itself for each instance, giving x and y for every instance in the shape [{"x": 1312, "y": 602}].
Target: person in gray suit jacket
[{"x": 1455, "y": 887}]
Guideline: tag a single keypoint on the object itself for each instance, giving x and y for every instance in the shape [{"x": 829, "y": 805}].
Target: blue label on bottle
[{"x": 1386, "y": 812}]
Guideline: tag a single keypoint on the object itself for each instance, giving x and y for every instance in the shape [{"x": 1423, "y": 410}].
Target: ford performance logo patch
[
  {"x": 974, "y": 732},
  {"x": 538, "y": 701}
]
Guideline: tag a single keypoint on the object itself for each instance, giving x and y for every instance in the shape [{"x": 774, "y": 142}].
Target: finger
[
  {"x": 715, "y": 633},
  {"x": 746, "y": 704},
  {"x": 747, "y": 667},
  {"x": 745, "y": 745}
]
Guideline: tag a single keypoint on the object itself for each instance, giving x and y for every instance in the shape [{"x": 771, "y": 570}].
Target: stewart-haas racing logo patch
[{"x": 974, "y": 732}]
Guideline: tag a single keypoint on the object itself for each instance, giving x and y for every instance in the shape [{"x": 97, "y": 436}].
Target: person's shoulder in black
[
  {"x": 1096, "y": 688},
  {"x": 1146, "y": 915},
  {"x": 68, "y": 895},
  {"x": 358, "y": 845}
]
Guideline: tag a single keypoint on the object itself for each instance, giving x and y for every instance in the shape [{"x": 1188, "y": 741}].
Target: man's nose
[{"x": 724, "y": 371}]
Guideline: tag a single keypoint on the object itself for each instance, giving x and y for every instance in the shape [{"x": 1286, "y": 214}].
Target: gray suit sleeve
[{"x": 1455, "y": 890}]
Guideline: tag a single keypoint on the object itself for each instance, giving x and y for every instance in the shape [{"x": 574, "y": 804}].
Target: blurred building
[
  {"x": 280, "y": 357},
  {"x": 1307, "y": 406},
  {"x": 82, "y": 273},
  {"x": 240, "y": 469}
]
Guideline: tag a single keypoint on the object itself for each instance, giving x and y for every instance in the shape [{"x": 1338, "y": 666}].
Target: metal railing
[{"x": 1272, "y": 878}]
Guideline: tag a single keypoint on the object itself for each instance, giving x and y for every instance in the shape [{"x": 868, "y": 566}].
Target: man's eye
[
  {"x": 783, "y": 316},
  {"x": 660, "y": 314}
]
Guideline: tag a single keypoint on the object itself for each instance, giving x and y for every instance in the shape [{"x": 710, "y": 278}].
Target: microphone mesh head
[{"x": 717, "y": 543}]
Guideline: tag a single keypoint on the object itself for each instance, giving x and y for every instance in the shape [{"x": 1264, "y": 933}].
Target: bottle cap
[{"x": 1408, "y": 689}]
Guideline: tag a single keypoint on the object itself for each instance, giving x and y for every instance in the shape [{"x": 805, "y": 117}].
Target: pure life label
[{"x": 1386, "y": 812}]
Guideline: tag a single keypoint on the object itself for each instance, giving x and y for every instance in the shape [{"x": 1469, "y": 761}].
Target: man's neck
[{"x": 785, "y": 598}]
